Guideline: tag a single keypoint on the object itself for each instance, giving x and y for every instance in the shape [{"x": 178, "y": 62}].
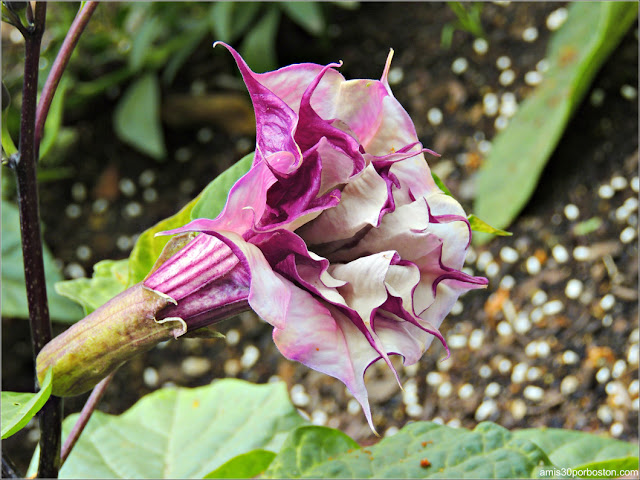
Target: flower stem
[
  {"x": 60, "y": 63},
  {"x": 85, "y": 415}
]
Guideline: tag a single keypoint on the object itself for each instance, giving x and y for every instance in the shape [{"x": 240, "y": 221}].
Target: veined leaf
[{"x": 19, "y": 408}]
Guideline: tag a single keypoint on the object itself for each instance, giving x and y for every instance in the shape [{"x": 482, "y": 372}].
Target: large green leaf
[
  {"x": 419, "y": 450},
  {"x": 182, "y": 432},
  {"x": 110, "y": 277},
  {"x": 572, "y": 449},
  {"x": 19, "y": 408},
  {"x": 259, "y": 45},
  {"x": 14, "y": 296},
  {"x": 306, "y": 14},
  {"x": 231, "y": 19},
  {"x": 137, "y": 117},
  {"x": 519, "y": 153},
  {"x": 246, "y": 465}
]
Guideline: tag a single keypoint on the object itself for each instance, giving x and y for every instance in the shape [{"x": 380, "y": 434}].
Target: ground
[{"x": 529, "y": 351}]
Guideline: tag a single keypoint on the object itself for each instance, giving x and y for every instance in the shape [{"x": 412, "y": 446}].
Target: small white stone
[
  {"x": 396, "y": 75},
  {"x": 433, "y": 379},
  {"x": 150, "y": 195},
  {"x": 573, "y": 289},
  {"x": 581, "y": 253},
  {"x": 465, "y": 391},
  {"x": 476, "y": 339},
  {"x": 533, "y": 78},
  {"x": 629, "y": 92},
  {"x": 509, "y": 255},
  {"x": 490, "y": 104},
  {"x": 603, "y": 375},
  {"x": 607, "y": 321},
  {"x": 454, "y": 423},
  {"x": 457, "y": 308},
  {"x": 411, "y": 370},
  {"x": 132, "y": 210},
  {"x": 353, "y": 407},
  {"x": 634, "y": 388},
  {"x": 504, "y": 329},
  {"x": 607, "y": 302},
  {"x": 249, "y": 356},
  {"x": 471, "y": 256},
  {"x": 519, "y": 372},
  {"x": 232, "y": 367},
  {"x": 480, "y": 46},
  {"x": 79, "y": 192},
  {"x": 571, "y": 211},
  {"x": 627, "y": 235},
  {"x": 543, "y": 65},
  {"x": 501, "y": 122},
  {"x": 507, "y": 282},
  {"x": 300, "y": 398},
  {"x": 605, "y": 414},
  {"x": 569, "y": 357},
  {"x": 484, "y": 371},
  {"x": 616, "y": 429},
  {"x": 492, "y": 390},
  {"x": 533, "y": 393},
  {"x": 553, "y": 307},
  {"x": 503, "y": 62},
  {"x": 606, "y": 191},
  {"x": 560, "y": 254},
  {"x": 74, "y": 270},
  {"x": 507, "y": 77},
  {"x": 622, "y": 213},
  {"x": 195, "y": 366},
  {"x": 319, "y": 417},
  {"x": 232, "y": 337},
  {"x": 543, "y": 349},
  {"x": 619, "y": 368},
  {"x": 73, "y": 210},
  {"x": 508, "y": 105},
  {"x": 618, "y": 183},
  {"x": 83, "y": 252},
  {"x": 557, "y": 18},
  {"x": 539, "y": 297},
  {"x": 533, "y": 374},
  {"x": 123, "y": 242},
  {"x": 484, "y": 146},
  {"x": 483, "y": 260},
  {"x": 434, "y": 115},
  {"x": 492, "y": 269},
  {"x": 531, "y": 349},
  {"x": 530, "y": 34},
  {"x": 632, "y": 355},
  {"x": 457, "y": 341},
  {"x": 536, "y": 315},
  {"x": 150, "y": 377},
  {"x": 635, "y": 336},
  {"x": 569, "y": 385},
  {"x": 631, "y": 204},
  {"x": 391, "y": 431},
  {"x": 504, "y": 366},
  {"x": 597, "y": 97},
  {"x": 485, "y": 410},
  {"x": 438, "y": 420},
  {"x": 518, "y": 409},
  {"x": 533, "y": 265},
  {"x": 445, "y": 365},
  {"x": 459, "y": 65},
  {"x": 522, "y": 324},
  {"x": 445, "y": 389},
  {"x": 635, "y": 184},
  {"x": 414, "y": 410}
]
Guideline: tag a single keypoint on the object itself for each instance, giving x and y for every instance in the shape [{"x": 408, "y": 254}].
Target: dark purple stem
[
  {"x": 60, "y": 63},
  {"x": 85, "y": 415},
  {"x": 25, "y": 168}
]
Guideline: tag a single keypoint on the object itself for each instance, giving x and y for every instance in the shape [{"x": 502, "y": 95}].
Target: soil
[{"x": 599, "y": 144}]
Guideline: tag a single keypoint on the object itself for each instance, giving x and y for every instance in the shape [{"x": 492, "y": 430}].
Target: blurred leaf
[
  {"x": 306, "y": 14},
  {"x": 137, "y": 117},
  {"x": 7, "y": 142},
  {"x": 259, "y": 46},
  {"x": 110, "y": 277},
  {"x": 230, "y": 20},
  {"x": 478, "y": 225},
  {"x": 142, "y": 42},
  {"x": 14, "y": 295},
  {"x": 19, "y": 408},
  {"x": 214, "y": 196},
  {"x": 182, "y": 432},
  {"x": 614, "y": 465},
  {"x": 587, "y": 226},
  {"x": 54, "y": 118},
  {"x": 247, "y": 465},
  {"x": 176, "y": 60},
  {"x": 440, "y": 184},
  {"x": 519, "y": 153}
]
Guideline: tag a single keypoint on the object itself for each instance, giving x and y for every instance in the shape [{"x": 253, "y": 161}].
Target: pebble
[
  {"x": 508, "y": 104},
  {"x": 629, "y": 92},
  {"x": 183, "y": 154},
  {"x": 627, "y": 235},
  {"x": 607, "y": 302},
  {"x": 485, "y": 371},
  {"x": 573, "y": 289},
  {"x": 509, "y": 255},
  {"x": 616, "y": 429},
  {"x": 533, "y": 374},
  {"x": 411, "y": 370},
  {"x": 465, "y": 391},
  {"x": 300, "y": 398},
  {"x": 519, "y": 372},
  {"x": 476, "y": 339},
  {"x": 605, "y": 191},
  {"x": 457, "y": 341},
  {"x": 150, "y": 377},
  {"x": 74, "y": 270},
  {"x": 557, "y": 18},
  {"x": 634, "y": 388},
  {"x": 553, "y": 307},
  {"x": 100, "y": 205},
  {"x": 146, "y": 178},
  {"x": 127, "y": 187},
  {"x": 536, "y": 315},
  {"x": 391, "y": 431},
  {"x": 539, "y": 298},
  {"x": 530, "y": 34},
  {"x": 631, "y": 204},
  {"x": 603, "y": 375},
  {"x": 319, "y": 417},
  {"x": 490, "y": 104},
  {"x": 635, "y": 184},
  {"x": 195, "y": 366},
  {"x": 484, "y": 146},
  {"x": 485, "y": 410},
  {"x": 434, "y": 115},
  {"x": 507, "y": 282},
  {"x": 249, "y": 356},
  {"x": 569, "y": 385},
  {"x": 571, "y": 211},
  {"x": 445, "y": 389},
  {"x": 123, "y": 242},
  {"x": 132, "y": 210},
  {"x": 569, "y": 357},
  {"x": 396, "y": 75},
  {"x": 232, "y": 367},
  {"x": 618, "y": 183},
  {"x": 560, "y": 254},
  {"x": 581, "y": 253},
  {"x": 607, "y": 321},
  {"x": 492, "y": 390},
  {"x": 480, "y": 46},
  {"x": 632, "y": 355},
  {"x": 150, "y": 195},
  {"x": 533, "y": 393},
  {"x": 501, "y": 122},
  {"x": 518, "y": 409},
  {"x": 492, "y": 269},
  {"x": 454, "y": 423},
  {"x": 531, "y": 349},
  {"x": 533, "y": 78},
  {"x": 597, "y": 97},
  {"x": 471, "y": 256},
  {"x": 187, "y": 186},
  {"x": 522, "y": 324},
  {"x": 353, "y": 407},
  {"x": 483, "y": 260},
  {"x": 73, "y": 210},
  {"x": 635, "y": 336},
  {"x": 445, "y": 365},
  {"x": 543, "y": 65},
  {"x": 204, "y": 135},
  {"x": 433, "y": 379},
  {"x": 504, "y": 366},
  {"x": 605, "y": 414},
  {"x": 414, "y": 410},
  {"x": 79, "y": 192},
  {"x": 504, "y": 329},
  {"x": 83, "y": 252},
  {"x": 457, "y": 308},
  {"x": 503, "y": 62},
  {"x": 543, "y": 349},
  {"x": 459, "y": 65},
  {"x": 533, "y": 265},
  {"x": 507, "y": 77}
]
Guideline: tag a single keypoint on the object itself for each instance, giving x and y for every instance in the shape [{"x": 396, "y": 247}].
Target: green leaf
[
  {"x": 137, "y": 117},
  {"x": 142, "y": 43},
  {"x": 306, "y": 14},
  {"x": 19, "y": 408},
  {"x": 570, "y": 449},
  {"x": 419, "y": 450},
  {"x": 478, "y": 225},
  {"x": 214, "y": 196},
  {"x": 587, "y": 226},
  {"x": 230, "y": 20},
  {"x": 597, "y": 469},
  {"x": 54, "y": 118},
  {"x": 440, "y": 184},
  {"x": 14, "y": 296},
  {"x": 259, "y": 46},
  {"x": 110, "y": 277},
  {"x": 519, "y": 153},
  {"x": 246, "y": 465},
  {"x": 182, "y": 432},
  {"x": 7, "y": 142}
]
